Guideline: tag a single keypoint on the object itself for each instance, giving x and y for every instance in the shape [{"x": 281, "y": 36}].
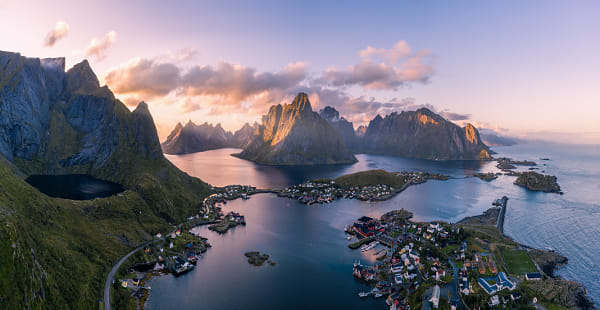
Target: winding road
[{"x": 112, "y": 272}]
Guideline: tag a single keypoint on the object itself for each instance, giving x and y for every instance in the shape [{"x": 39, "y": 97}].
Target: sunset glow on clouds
[
  {"x": 230, "y": 88},
  {"x": 58, "y": 32},
  {"x": 490, "y": 63}
]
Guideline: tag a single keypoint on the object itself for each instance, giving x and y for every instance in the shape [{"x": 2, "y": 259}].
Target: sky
[{"x": 526, "y": 69}]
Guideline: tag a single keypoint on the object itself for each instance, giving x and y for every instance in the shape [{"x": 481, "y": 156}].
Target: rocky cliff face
[
  {"x": 193, "y": 138},
  {"x": 64, "y": 121},
  {"x": 295, "y": 135},
  {"x": 55, "y": 252},
  {"x": 343, "y": 126},
  {"x": 244, "y": 136},
  {"x": 57, "y": 122},
  {"x": 423, "y": 134}
]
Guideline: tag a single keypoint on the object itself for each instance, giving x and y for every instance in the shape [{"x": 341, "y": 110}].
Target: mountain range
[
  {"x": 193, "y": 138},
  {"x": 55, "y": 253},
  {"x": 294, "y": 134},
  {"x": 423, "y": 134}
]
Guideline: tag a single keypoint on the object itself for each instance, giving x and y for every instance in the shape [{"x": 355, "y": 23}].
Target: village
[
  {"x": 438, "y": 265},
  {"x": 466, "y": 265},
  {"x": 178, "y": 251}
]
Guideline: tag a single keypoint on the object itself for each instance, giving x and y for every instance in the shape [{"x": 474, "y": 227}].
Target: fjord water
[{"x": 308, "y": 244}]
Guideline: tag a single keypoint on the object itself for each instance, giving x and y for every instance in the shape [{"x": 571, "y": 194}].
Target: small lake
[{"x": 74, "y": 186}]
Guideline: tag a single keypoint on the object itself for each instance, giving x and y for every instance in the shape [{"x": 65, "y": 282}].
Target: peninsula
[{"x": 470, "y": 264}]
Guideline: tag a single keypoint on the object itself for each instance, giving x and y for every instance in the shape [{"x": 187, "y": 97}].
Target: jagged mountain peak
[
  {"x": 295, "y": 135},
  {"x": 82, "y": 79},
  {"x": 329, "y": 113},
  {"x": 142, "y": 107},
  {"x": 423, "y": 134},
  {"x": 301, "y": 105}
]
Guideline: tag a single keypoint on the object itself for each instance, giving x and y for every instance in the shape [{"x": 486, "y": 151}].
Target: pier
[{"x": 502, "y": 204}]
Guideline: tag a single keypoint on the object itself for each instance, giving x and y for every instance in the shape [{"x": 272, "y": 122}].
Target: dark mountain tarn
[{"x": 74, "y": 186}]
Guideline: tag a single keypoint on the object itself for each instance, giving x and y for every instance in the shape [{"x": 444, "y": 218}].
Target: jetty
[{"x": 502, "y": 204}]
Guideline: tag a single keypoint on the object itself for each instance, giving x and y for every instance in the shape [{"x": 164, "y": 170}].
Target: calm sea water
[{"x": 313, "y": 262}]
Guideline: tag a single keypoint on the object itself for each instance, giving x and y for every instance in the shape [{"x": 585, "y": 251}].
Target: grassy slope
[
  {"x": 55, "y": 253},
  {"x": 371, "y": 177}
]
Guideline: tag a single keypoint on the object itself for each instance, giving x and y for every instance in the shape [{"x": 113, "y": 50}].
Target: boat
[
  {"x": 363, "y": 294},
  {"x": 369, "y": 247},
  {"x": 349, "y": 237},
  {"x": 377, "y": 295}
]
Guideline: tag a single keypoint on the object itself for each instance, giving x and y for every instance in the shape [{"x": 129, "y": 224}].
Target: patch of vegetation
[
  {"x": 371, "y": 177},
  {"x": 256, "y": 259},
  {"x": 56, "y": 253},
  {"x": 538, "y": 182},
  {"x": 518, "y": 262}
]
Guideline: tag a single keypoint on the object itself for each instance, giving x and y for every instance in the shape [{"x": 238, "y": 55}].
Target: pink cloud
[{"x": 60, "y": 30}]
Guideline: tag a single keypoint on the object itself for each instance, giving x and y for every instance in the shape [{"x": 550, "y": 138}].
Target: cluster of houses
[
  {"x": 483, "y": 262},
  {"x": 235, "y": 217},
  {"x": 404, "y": 265},
  {"x": 415, "y": 255},
  {"x": 185, "y": 256},
  {"x": 326, "y": 192},
  {"x": 229, "y": 192}
]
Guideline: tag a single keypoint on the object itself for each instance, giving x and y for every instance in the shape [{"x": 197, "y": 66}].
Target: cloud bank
[
  {"x": 60, "y": 30},
  {"x": 228, "y": 88},
  {"x": 384, "y": 69}
]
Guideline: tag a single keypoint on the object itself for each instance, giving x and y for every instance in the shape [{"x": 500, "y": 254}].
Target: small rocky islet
[
  {"x": 257, "y": 259},
  {"x": 534, "y": 181}
]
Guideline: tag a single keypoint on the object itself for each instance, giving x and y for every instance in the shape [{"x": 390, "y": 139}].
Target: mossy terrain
[
  {"x": 256, "y": 259},
  {"x": 371, "y": 177},
  {"x": 55, "y": 253},
  {"x": 538, "y": 182}
]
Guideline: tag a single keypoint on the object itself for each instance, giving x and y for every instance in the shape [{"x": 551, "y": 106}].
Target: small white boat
[
  {"x": 363, "y": 294},
  {"x": 377, "y": 295},
  {"x": 349, "y": 237}
]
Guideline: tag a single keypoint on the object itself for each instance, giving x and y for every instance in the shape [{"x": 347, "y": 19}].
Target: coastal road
[{"x": 112, "y": 272}]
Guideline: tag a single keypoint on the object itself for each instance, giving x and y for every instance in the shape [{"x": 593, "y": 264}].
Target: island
[
  {"x": 469, "y": 264},
  {"x": 370, "y": 185},
  {"x": 534, "y": 181},
  {"x": 489, "y": 176},
  {"x": 257, "y": 259}
]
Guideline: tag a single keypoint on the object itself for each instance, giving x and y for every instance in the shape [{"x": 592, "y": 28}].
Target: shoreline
[{"x": 499, "y": 223}]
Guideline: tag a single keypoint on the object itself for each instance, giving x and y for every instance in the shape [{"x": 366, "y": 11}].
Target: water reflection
[{"x": 218, "y": 168}]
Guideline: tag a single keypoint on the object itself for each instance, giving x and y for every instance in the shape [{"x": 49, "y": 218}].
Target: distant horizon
[{"x": 490, "y": 64}]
